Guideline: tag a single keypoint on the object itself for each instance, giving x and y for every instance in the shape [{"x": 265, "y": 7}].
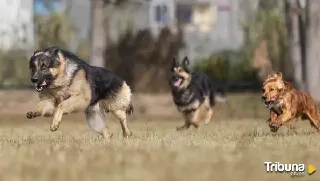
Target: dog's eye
[
  {"x": 271, "y": 89},
  {"x": 263, "y": 90}
]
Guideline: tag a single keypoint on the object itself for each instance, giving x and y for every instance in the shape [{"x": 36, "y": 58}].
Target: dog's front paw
[
  {"x": 33, "y": 114},
  {"x": 127, "y": 134},
  {"x": 274, "y": 129},
  {"x": 54, "y": 127},
  {"x": 180, "y": 128},
  {"x": 274, "y": 126},
  {"x": 107, "y": 137}
]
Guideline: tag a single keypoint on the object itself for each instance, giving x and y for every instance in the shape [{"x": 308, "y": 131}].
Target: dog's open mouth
[
  {"x": 177, "y": 82},
  {"x": 39, "y": 87},
  {"x": 270, "y": 103}
]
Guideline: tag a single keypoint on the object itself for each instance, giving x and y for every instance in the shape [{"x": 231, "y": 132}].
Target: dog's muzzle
[
  {"x": 177, "y": 81},
  {"x": 269, "y": 103},
  {"x": 39, "y": 85}
]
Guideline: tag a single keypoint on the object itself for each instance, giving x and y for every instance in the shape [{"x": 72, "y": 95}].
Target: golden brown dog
[{"x": 285, "y": 103}]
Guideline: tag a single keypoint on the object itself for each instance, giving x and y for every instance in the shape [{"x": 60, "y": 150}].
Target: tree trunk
[
  {"x": 292, "y": 21},
  {"x": 312, "y": 48},
  {"x": 98, "y": 32}
]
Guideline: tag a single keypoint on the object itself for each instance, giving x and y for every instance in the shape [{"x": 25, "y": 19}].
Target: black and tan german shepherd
[
  {"x": 67, "y": 84},
  {"x": 193, "y": 94}
]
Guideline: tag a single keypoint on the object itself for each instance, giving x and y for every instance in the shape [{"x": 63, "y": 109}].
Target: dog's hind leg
[
  {"x": 314, "y": 120},
  {"x": 96, "y": 120},
  {"x": 208, "y": 115},
  {"x": 208, "y": 109},
  {"x": 122, "y": 116},
  {"x": 130, "y": 109}
]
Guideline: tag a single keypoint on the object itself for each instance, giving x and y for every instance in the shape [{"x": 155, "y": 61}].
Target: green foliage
[
  {"x": 268, "y": 24},
  {"x": 14, "y": 69},
  {"x": 56, "y": 29},
  {"x": 226, "y": 65},
  {"x": 83, "y": 50},
  {"x": 214, "y": 67}
]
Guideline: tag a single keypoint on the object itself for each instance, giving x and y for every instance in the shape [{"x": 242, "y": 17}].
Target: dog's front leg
[
  {"x": 273, "y": 117},
  {"x": 73, "y": 104},
  {"x": 43, "y": 108},
  {"x": 280, "y": 120}
]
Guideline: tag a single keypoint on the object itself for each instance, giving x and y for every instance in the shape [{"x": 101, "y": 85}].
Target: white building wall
[{"x": 16, "y": 24}]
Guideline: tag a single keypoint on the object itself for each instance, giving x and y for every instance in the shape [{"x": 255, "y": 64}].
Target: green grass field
[{"x": 224, "y": 150}]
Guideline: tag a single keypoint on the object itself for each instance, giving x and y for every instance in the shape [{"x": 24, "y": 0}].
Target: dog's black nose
[
  {"x": 34, "y": 80},
  {"x": 264, "y": 98}
]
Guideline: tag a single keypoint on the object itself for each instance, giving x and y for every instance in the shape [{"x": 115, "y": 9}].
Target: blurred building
[
  {"x": 16, "y": 24},
  {"x": 80, "y": 14},
  {"x": 209, "y": 25}
]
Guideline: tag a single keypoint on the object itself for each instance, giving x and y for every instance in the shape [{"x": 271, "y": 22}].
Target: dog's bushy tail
[
  {"x": 220, "y": 97},
  {"x": 130, "y": 109},
  {"x": 220, "y": 92}
]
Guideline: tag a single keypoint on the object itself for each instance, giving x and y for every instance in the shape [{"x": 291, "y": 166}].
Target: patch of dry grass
[{"x": 222, "y": 151}]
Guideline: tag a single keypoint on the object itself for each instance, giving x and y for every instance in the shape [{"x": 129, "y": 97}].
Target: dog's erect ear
[
  {"x": 269, "y": 75},
  {"x": 288, "y": 85},
  {"x": 280, "y": 84},
  {"x": 36, "y": 52},
  {"x": 185, "y": 61},
  {"x": 56, "y": 53},
  {"x": 279, "y": 74},
  {"x": 53, "y": 51},
  {"x": 175, "y": 63}
]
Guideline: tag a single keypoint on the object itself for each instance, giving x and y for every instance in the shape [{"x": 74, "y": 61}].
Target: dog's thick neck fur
[
  {"x": 284, "y": 92},
  {"x": 70, "y": 70},
  {"x": 182, "y": 96}
]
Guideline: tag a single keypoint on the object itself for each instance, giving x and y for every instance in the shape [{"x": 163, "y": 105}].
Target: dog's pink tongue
[
  {"x": 177, "y": 83},
  {"x": 44, "y": 83}
]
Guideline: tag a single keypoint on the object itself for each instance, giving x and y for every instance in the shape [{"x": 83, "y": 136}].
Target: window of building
[
  {"x": 161, "y": 14},
  {"x": 184, "y": 13},
  {"x": 205, "y": 16}
]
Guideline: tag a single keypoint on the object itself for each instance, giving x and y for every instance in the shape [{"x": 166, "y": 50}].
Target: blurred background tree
[
  {"x": 56, "y": 29},
  {"x": 265, "y": 39},
  {"x": 278, "y": 36},
  {"x": 312, "y": 40},
  {"x": 99, "y": 28}
]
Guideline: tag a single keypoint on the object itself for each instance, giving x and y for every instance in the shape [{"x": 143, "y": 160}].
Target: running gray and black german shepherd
[
  {"x": 194, "y": 94},
  {"x": 67, "y": 84}
]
